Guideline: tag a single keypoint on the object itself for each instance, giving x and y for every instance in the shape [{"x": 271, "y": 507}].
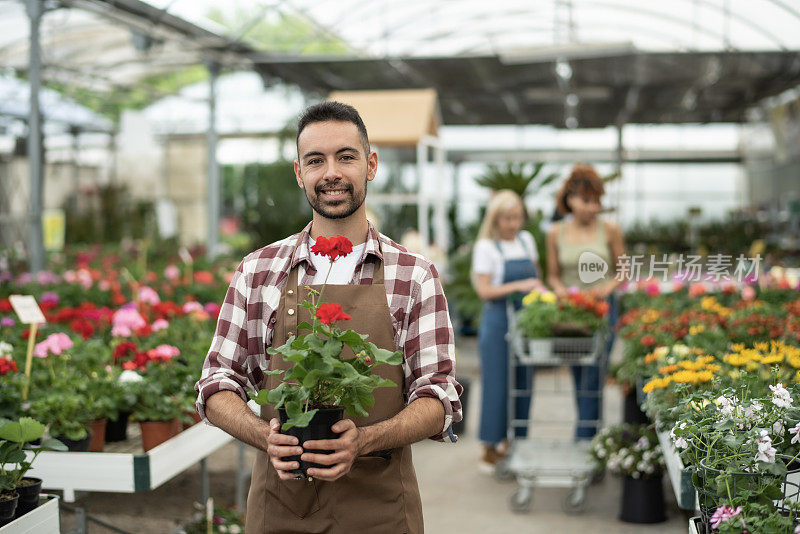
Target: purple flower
[
  {"x": 7, "y": 321},
  {"x": 211, "y": 308},
  {"x": 50, "y": 296},
  {"x": 25, "y": 278},
  {"x": 46, "y": 277},
  {"x": 6, "y": 276}
]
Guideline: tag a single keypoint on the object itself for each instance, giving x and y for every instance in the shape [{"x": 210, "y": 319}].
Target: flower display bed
[
  {"x": 129, "y": 469},
  {"x": 44, "y": 519}
]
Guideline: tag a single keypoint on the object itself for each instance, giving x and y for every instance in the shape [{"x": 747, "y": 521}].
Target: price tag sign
[{"x": 27, "y": 309}]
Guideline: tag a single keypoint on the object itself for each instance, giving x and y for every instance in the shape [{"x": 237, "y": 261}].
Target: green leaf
[
  {"x": 385, "y": 383},
  {"x": 305, "y": 325},
  {"x": 275, "y": 372},
  {"x": 307, "y": 305},
  {"x": 52, "y": 444},
  {"x": 385, "y": 356},
  {"x": 332, "y": 348},
  {"x": 302, "y": 420},
  {"x": 261, "y": 397},
  {"x": 312, "y": 378},
  {"x": 352, "y": 338}
]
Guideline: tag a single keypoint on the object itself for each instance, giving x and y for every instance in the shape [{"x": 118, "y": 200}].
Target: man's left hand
[{"x": 346, "y": 449}]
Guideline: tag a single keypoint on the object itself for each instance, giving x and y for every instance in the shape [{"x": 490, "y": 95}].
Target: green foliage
[
  {"x": 320, "y": 376},
  {"x": 276, "y": 31},
  {"x": 267, "y": 198},
  {"x": 522, "y": 178},
  {"x": 161, "y": 395},
  {"x": 14, "y": 437}
]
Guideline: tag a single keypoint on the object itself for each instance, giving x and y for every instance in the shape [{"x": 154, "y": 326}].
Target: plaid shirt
[{"x": 238, "y": 359}]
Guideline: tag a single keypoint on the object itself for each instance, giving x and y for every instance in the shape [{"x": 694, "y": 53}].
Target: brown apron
[{"x": 378, "y": 495}]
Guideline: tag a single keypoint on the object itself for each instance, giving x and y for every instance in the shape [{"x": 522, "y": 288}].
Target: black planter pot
[
  {"x": 7, "y": 508},
  {"x": 642, "y": 500},
  {"x": 117, "y": 430},
  {"x": 631, "y": 412},
  {"x": 461, "y": 426},
  {"x": 318, "y": 428},
  {"x": 81, "y": 445},
  {"x": 28, "y": 496}
]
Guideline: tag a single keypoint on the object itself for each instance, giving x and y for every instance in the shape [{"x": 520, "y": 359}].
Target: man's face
[{"x": 333, "y": 168}]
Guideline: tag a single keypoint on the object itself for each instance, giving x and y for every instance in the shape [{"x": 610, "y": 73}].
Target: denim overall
[{"x": 493, "y": 348}]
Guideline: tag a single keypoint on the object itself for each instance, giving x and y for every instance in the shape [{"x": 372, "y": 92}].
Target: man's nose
[{"x": 332, "y": 170}]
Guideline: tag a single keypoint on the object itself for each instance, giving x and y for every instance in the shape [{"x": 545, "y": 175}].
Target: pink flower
[
  {"x": 192, "y": 306},
  {"x": 163, "y": 352},
  {"x": 652, "y": 289},
  {"x": 104, "y": 285},
  {"x": 148, "y": 295},
  {"x": 54, "y": 344},
  {"x": 171, "y": 272},
  {"x": 748, "y": 293},
  {"x": 211, "y": 308},
  {"x": 121, "y": 331},
  {"x": 697, "y": 289},
  {"x": 723, "y": 514},
  {"x": 159, "y": 324},
  {"x": 69, "y": 277},
  {"x": 128, "y": 317}
]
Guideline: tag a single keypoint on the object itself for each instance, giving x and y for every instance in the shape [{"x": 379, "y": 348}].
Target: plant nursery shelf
[
  {"x": 43, "y": 519},
  {"x": 130, "y": 469},
  {"x": 680, "y": 476}
]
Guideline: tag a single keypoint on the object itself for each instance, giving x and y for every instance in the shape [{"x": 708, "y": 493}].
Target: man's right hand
[{"x": 280, "y": 446}]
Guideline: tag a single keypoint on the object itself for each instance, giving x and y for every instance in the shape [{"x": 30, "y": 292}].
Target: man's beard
[{"x": 353, "y": 202}]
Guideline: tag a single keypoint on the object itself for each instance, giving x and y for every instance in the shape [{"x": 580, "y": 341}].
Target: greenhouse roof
[{"x": 588, "y": 92}]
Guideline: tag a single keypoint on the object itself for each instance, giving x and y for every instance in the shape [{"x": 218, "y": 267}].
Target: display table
[
  {"x": 125, "y": 467},
  {"x": 679, "y": 476},
  {"x": 43, "y": 519}
]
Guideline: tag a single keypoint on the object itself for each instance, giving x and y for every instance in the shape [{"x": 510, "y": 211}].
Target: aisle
[{"x": 458, "y": 498}]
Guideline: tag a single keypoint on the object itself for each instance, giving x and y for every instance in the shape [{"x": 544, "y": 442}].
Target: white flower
[
  {"x": 641, "y": 466},
  {"x": 796, "y": 433},
  {"x": 778, "y": 428},
  {"x": 661, "y": 352},
  {"x": 129, "y": 376},
  {"x": 222, "y": 528},
  {"x": 601, "y": 453},
  {"x": 681, "y": 443},
  {"x": 680, "y": 350},
  {"x": 781, "y": 396},
  {"x": 725, "y": 405},
  {"x": 235, "y": 529},
  {"x": 5, "y": 349},
  {"x": 643, "y": 444},
  {"x": 751, "y": 412},
  {"x": 766, "y": 452}
]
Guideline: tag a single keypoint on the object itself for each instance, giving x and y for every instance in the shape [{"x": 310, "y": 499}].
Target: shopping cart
[{"x": 557, "y": 461}]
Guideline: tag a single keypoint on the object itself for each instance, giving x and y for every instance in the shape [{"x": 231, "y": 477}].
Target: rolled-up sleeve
[
  {"x": 227, "y": 366},
  {"x": 429, "y": 349}
]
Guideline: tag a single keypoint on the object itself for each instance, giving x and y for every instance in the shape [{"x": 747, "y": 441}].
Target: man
[{"x": 368, "y": 484}]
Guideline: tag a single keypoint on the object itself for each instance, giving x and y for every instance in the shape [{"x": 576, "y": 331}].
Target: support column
[
  {"x": 35, "y": 159},
  {"x": 422, "y": 202},
  {"x": 213, "y": 193},
  {"x": 619, "y": 160},
  {"x": 441, "y": 232}
]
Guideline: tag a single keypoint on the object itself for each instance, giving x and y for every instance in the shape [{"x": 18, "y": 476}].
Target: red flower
[
  {"x": 330, "y": 312},
  {"x": 601, "y": 308},
  {"x": 7, "y": 365},
  {"x": 647, "y": 340},
  {"x": 82, "y": 327},
  {"x": 5, "y": 306},
  {"x": 124, "y": 349},
  {"x": 204, "y": 277},
  {"x": 332, "y": 247}
]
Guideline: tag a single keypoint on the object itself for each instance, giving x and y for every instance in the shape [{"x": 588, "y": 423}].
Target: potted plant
[
  {"x": 66, "y": 415},
  {"x": 223, "y": 521},
  {"x": 322, "y": 385},
  {"x": 633, "y": 452},
  {"x": 743, "y": 444},
  {"x": 20, "y": 494}
]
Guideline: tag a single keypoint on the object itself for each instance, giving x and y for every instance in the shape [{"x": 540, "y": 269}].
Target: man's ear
[
  {"x": 372, "y": 165},
  {"x": 297, "y": 174}
]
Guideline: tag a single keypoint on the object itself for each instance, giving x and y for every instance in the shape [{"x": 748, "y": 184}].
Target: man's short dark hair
[{"x": 333, "y": 111}]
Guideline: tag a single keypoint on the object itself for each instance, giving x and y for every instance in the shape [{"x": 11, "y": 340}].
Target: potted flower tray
[
  {"x": 43, "y": 519},
  {"x": 127, "y": 472},
  {"x": 680, "y": 476}
]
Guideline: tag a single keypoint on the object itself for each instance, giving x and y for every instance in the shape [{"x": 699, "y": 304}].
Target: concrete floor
[{"x": 456, "y": 496}]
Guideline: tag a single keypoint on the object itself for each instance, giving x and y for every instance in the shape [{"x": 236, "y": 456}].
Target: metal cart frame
[{"x": 562, "y": 463}]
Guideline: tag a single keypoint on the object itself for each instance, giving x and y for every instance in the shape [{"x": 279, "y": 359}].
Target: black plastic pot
[
  {"x": 318, "y": 428},
  {"x": 117, "y": 430},
  {"x": 631, "y": 411},
  {"x": 7, "y": 508},
  {"x": 28, "y": 496},
  {"x": 81, "y": 445},
  {"x": 460, "y": 427},
  {"x": 642, "y": 500}
]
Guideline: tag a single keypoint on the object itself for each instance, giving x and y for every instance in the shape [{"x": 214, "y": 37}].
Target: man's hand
[
  {"x": 346, "y": 449},
  {"x": 280, "y": 446}
]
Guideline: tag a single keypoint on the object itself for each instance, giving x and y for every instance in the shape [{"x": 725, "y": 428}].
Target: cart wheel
[
  {"x": 502, "y": 473},
  {"x": 520, "y": 501},
  {"x": 575, "y": 501}
]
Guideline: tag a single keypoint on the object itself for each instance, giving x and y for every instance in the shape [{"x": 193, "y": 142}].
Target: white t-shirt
[
  {"x": 486, "y": 259},
  {"x": 342, "y": 269}
]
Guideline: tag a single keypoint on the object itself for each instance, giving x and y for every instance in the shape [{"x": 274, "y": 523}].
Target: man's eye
[
  {"x": 314, "y": 161},
  {"x": 348, "y": 157}
]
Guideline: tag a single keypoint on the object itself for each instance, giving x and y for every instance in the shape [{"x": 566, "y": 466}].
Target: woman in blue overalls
[{"x": 504, "y": 266}]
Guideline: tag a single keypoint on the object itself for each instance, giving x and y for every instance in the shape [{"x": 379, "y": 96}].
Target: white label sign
[
  {"x": 27, "y": 309},
  {"x": 185, "y": 256}
]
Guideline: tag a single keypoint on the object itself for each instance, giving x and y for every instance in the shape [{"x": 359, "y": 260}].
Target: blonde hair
[{"x": 501, "y": 201}]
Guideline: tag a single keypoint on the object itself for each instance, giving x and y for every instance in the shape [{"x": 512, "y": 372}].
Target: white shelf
[
  {"x": 127, "y": 472},
  {"x": 43, "y": 519},
  {"x": 680, "y": 476}
]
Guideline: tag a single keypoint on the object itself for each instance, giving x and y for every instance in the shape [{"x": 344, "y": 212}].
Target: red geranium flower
[
  {"x": 5, "y": 306},
  {"x": 7, "y": 365},
  {"x": 124, "y": 349},
  {"x": 330, "y": 312},
  {"x": 647, "y": 340},
  {"x": 332, "y": 247},
  {"x": 204, "y": 277}
]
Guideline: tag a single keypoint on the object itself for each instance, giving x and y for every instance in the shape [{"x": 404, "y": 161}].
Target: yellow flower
[
  {"x": 772, "y": 358},
  {"x": 694, "y": 330},
  {"x": 530, "y": 298},
  {"x": 549, "y": 297},
  {"x": 684, "y": 377},
  {"x": 737, "y": 347},
  {"x": 650, "y": 316},
  {"x": 656, "y": 383},
  {"x": 667, "y": 369},
  {"x": 661, "y": 352}
]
